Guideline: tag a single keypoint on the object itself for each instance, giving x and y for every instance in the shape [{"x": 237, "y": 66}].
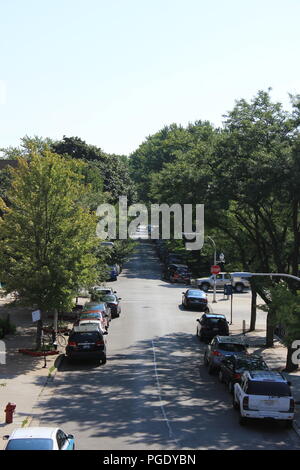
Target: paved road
[{"x": 153, "y": 392}]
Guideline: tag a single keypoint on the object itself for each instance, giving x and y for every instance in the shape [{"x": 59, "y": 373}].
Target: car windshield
[
  {"x": 100, "y": 306},
  {"x": 195, "y": 293},
  {"x": 85, "y": 337},
  {"x": 90, "y": 316},
  {"x": 231, "y": 347},
  {"x": 30, "y": 444},
  {"x": 274, "y": 389},
  {"x": 219, "y": 321},
  {"x": 251, "y": 364},
  {"x": 109, "y": 298}
]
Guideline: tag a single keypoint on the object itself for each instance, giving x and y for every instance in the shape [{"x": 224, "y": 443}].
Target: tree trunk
[
  {"x": 253, "y": 308},
  {"x": 39, "y": 334},
  {"x": 290, "y": 365},
  {"x": 270, "y": 330}
]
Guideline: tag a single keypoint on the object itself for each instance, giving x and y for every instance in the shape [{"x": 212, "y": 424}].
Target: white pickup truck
[
  {"x": 222, "y": 279},
  {"x": 264, "y": 395}
]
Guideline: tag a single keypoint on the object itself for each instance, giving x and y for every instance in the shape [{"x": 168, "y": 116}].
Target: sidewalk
[{"x": 22, "y": 377}]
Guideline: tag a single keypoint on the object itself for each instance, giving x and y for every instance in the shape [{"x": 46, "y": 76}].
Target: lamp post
[{"x": 215, "y": 262}]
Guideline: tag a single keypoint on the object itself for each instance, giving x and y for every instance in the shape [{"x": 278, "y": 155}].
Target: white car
[
  {"x": 264, "y": 395},
  {"x": 35, "y": 438}
]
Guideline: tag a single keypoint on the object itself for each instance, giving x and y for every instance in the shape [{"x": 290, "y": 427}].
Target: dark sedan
[
  {"x": 113, "y": 302},
  {"x": 232, "y": 367},
  {"x": 195, "y": 298}
]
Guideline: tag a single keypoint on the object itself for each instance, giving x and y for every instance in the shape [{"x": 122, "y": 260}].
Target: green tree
[
  {"x": 47, "y": 234},
  {"x": 285, "y": 308}
]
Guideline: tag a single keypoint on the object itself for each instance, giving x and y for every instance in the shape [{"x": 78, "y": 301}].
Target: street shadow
[{"x": 157, "y": 394}]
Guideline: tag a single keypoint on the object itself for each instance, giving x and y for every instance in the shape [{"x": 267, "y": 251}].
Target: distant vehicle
[
  {"x": 113, "y": 303},
  {"x": 39, "y": 438},
  {"x": 91, "y": 315},
  {"x": 264, "y": 395},
  {"x": 239, "y": 284},
  {"x": 102, "y": 290},
  {"x": 112, "y": 273},
  {"x": 195, "y": 298},
  {"x": 107, "y": 244},
  {"x": 219, "y": 348},
  {"x": 86, "y": 345},
  {"x": 178, "y": 273},
  {"x": 101, "y": 307},
  {"x": 232, "y": 368},
  {"x": 210, "y": 325}
]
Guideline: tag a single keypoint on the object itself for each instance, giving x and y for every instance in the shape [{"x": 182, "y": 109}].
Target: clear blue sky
[{"x": 115, "y": 71}]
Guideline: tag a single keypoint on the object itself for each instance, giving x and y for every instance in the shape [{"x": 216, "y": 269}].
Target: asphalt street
[{"x": 154, "y": 391}]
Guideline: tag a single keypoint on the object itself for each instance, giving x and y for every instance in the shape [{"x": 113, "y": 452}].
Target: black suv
[
  {"x": 86, "y": 345},
  {"x": 210, "y": 325},
  {"x": 232, "y": 367}
]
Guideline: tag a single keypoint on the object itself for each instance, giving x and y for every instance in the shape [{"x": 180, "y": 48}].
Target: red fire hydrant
[{"x": 9, "y": 411}]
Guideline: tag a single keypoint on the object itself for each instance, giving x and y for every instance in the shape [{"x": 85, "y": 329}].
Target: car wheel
[
  {"x": 221, "y": 378},
  {"x": 103, "y": 360},
  {"x": 289, "y": 424},
  {"x": 205, "y": 360},
  {"x": 230, "y": 386},
  {"x": 211, "y": 369},
  {"x": 204, "y": 287},
  {"x": 239, "y": 288}
]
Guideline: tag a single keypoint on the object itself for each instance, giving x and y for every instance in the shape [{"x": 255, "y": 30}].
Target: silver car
[{"x": 221, "y": 347}]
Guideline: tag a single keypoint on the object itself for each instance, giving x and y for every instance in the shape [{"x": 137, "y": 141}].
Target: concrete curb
[{"x": 50, "y": 378}]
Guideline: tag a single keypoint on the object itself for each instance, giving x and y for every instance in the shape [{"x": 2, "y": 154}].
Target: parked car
[
  {"x": 232, "y": 368},
  {"x": 177, "y": 273},
  {"x": 93, "y": 315},
  {"x": 86, "y": 343},
  {"x": 238, "y": 283},
  {"x": 219, "y": 348},
  {"x": 210, "y": 325},
  {"x": 195, "y": 298},
  {"x": 39, "y": 438},
  {"x": 102, "y": 290},
  {"x": 264, "y": 395},
  {"x": 113, "y": 302},
  {"x": 98, "y": 307},
  {"x": 112, "y": 273}
]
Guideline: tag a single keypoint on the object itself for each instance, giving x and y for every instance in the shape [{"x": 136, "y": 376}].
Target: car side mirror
[
  {"x": 70, "y": 436},
  {"x": 105, "y": 333},
  {"x": 119, "y": 298},
  {"x": 6, "y": 437},
  {"x": 198, "y": 320}
]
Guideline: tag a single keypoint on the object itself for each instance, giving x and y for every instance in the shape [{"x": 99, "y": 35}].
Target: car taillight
[
  {"x": 246, "y": 403},
  {"x": 72, "y": 343},
  {"x": 99, "y": 343},
  {"x": 236, "y": 376},
  {"x": 292, "y": 405},
  {"x": 216, "y": 353}
]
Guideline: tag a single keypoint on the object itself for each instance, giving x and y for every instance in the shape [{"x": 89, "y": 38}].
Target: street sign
[
  {"x": 215, "y": 269},
  {"x": 36, "y": 315}
]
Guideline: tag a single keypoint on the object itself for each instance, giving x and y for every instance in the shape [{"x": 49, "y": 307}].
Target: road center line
[{"x": 171, "y": 435}]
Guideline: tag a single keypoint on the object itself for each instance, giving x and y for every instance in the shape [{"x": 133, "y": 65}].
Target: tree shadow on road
[{"x": 156, "y": 395}]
